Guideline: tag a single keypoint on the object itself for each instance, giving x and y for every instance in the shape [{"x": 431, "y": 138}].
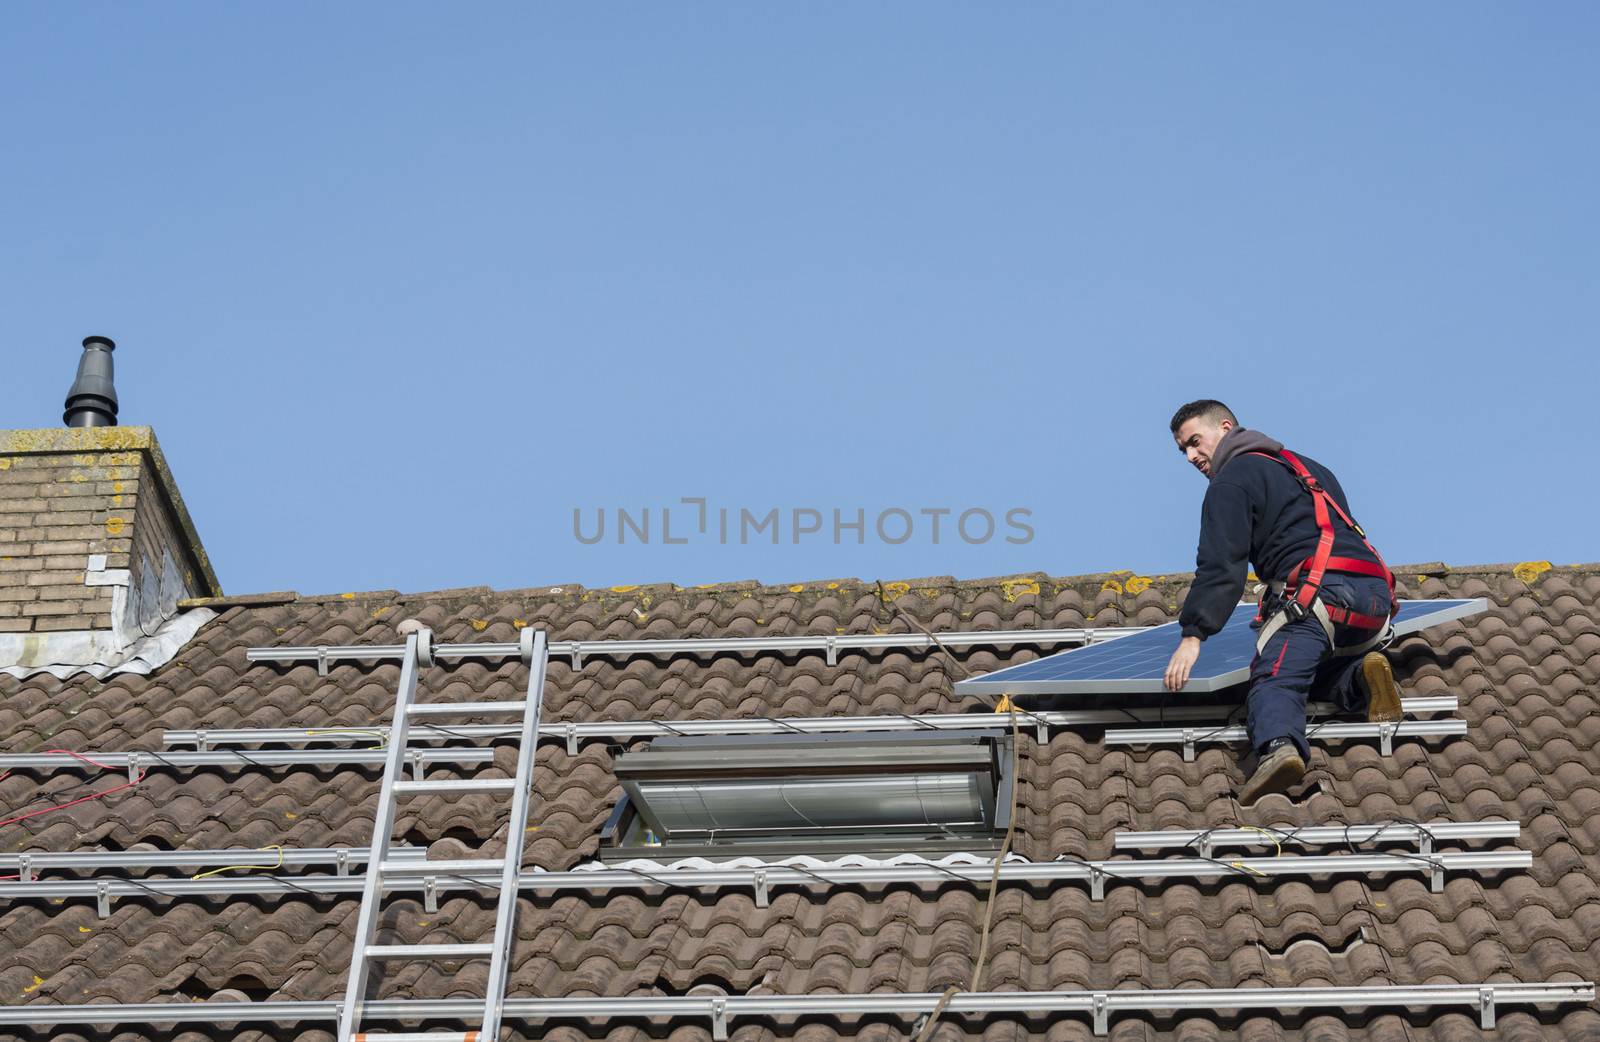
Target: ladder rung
[
  {"x": 417, "y": 1036},
  {"x": 429, "y": 951},
  {"x": 417, "y": 788},
  {"x": 441, "y": 868},
  {"x": 465, "y": 708}
]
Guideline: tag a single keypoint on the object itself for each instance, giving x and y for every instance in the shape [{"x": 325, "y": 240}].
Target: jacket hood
[{"x": 1238, "y": 441}]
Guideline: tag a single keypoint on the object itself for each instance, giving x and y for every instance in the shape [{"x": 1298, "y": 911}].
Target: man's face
[{"x": 1197, "y": 440}]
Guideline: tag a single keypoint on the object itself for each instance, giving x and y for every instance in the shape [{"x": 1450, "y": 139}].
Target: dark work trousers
[{"x": 1298, "y": 665}]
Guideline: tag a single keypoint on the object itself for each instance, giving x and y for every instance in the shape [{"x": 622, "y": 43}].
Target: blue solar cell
[{"x": 1137, "y": 663}]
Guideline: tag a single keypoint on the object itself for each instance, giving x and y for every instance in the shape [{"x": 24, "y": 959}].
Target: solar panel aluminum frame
[
  {"x": 984, "y": 685},
  {"x": 984, "y": 756}
]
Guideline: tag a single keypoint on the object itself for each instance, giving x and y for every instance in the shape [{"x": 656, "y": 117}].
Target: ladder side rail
[
  {"x": 505, "y": 933},
  {"x": 382, "y": 830}
]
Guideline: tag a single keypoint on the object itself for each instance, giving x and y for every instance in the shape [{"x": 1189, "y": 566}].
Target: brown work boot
[
  {"x": 1383, "y": 694},
  {"x": 1281, "y": 766}
]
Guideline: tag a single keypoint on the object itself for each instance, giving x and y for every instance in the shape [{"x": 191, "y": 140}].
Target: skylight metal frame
[
  {"x": 574, "y": 732},
  {"x": 763, "y": 878},
  {"x": 1486, "y": 998},
  {"x": 981, "y": 760}
]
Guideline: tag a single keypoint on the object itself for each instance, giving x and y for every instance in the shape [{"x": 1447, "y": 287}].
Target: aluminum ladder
[{"x": 535, "y": 654}]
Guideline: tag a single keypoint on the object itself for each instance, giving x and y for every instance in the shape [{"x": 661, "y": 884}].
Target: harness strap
[
  {"x": 1329, "y": 616},
  {"x": 1305, "y": 579},
  {"x": 1322, "y": 560},
  {"x": 1354, "y": 619},
  {"x": 1351, "y": 565}
]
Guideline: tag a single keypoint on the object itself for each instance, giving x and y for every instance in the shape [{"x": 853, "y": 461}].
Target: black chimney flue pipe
[{"x": 92, "y": 401}]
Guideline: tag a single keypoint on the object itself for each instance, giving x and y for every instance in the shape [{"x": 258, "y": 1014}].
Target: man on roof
[{"x": 1328, "y": 598}]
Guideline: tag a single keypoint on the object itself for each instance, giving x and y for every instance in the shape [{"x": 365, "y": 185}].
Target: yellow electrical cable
[
  {"x": 230, "y": 868},
  {"x": 1005, "y": 705},
  {"x": 1275, "y": 841},
  {"x": 1241, "y": 866},
  {"x": 994, "y": 877}
]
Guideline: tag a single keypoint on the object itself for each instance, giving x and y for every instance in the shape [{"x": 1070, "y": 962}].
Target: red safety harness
[{"x": 1299, "y": 595}]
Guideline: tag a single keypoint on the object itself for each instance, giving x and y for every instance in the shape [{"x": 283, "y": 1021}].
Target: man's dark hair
[{"x": 1210, "y": 408}]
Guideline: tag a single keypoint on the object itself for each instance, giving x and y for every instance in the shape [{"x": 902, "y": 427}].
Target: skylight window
[{"x": 783, "y": 795}]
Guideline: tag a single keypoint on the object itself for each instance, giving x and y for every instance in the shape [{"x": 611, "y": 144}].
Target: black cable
[
  {"x": 883, "y": 598},
  {"x": 441, "y": 729},
  {"x": 1292, "y": 835},
  {"x": 666, "y": 884},
  {"x": 945, "y": 870},
  {"x": 1092, "y": 867},
  {"x": 920, "y": 723},
  {"x": 284, "y": 881},
  {"x": 152, "y": 891},
  {"x": 241, "y": 755},
  {"x": 807, "y": 872},
  {"x": 168, "y": 763}
]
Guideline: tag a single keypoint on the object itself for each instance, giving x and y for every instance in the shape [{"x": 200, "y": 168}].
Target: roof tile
[{"x": 1527, "y": 673}]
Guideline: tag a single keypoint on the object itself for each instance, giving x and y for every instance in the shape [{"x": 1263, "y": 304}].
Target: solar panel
[{"x": 1136, "y": 664}]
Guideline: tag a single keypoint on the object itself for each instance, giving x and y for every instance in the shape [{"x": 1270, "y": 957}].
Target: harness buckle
[{"x": 1293, "y": 609}]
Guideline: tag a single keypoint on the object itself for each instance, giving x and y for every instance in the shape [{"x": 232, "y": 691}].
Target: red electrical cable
[{"x": 81, "y": 799}]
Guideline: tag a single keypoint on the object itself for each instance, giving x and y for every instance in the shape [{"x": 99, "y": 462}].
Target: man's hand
[{"x": 1181, "y": 662}]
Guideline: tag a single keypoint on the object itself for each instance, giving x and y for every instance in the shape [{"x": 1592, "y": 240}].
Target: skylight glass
[{"x": 777, "y": 794}]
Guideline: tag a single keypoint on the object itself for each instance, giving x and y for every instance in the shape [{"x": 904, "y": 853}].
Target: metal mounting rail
[
  {"x": 762, "y": 879},
  {"x": 1204, "y": 841},
  {"x": 574, "y": 732},
  {"x": 29, "y": 862},
  {"x": 1385, "y": 733},
  {"x": 1486, "y": 998},
  {"x": 577, "y": 650},
  {"x": 143, "y": 760}
]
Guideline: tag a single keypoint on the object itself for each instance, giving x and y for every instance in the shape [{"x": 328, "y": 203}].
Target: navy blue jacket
[{"x": 1256, "y": 510}]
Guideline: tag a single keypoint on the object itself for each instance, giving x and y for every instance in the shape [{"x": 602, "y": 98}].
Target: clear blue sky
[{"x": 401, "y": 285}]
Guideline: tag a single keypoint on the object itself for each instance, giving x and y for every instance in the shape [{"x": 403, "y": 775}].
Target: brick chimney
[{"x": 96, "y": 546}]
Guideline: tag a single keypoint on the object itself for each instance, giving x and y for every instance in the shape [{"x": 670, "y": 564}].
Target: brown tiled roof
[{"x": 1527, "y": 674}]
